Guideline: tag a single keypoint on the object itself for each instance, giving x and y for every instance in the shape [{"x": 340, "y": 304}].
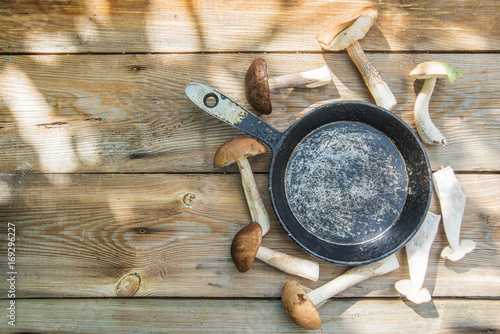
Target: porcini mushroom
[
  {"x": 258, "y": 84},
  {"x": 238, "y": 150},
  {"x": 452, "y": 200},
  {"x": 430, "y": 71},
  {"x": 345, "y": 34},
  {"x": 417, "y": 253},
  {"x": 301, "y": 303},
  {"x": 246, "y": 246}
]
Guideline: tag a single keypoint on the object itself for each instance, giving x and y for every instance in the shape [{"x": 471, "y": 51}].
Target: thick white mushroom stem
[
  {"x": 310, "y": 79},
  {"x": 289, "y": 264},
  {"x": 254, "y": 200},
  {"x": 452, "y": 200},
  {"x": 425, "y": 127},
  {"x": 352, "y": 277},
  {"x": 417, "y": 252},
  {"x": 378, "y": 87}
]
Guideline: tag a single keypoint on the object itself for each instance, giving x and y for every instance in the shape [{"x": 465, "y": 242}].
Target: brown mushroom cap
[
  {"x": 299, "y": 307},
  {"x": 236, "y": 149},
  {"x": 245, "y": 245},
  {"x": 257, "y": 86},
  {"x": 327, "y": 36}
]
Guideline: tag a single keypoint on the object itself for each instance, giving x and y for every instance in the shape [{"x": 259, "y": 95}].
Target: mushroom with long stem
[
  {"x": 452, "y": 201},
  {"x": 258, "y": 84},
  {"x": 430, "y": 71},
  {"x": 238, "y": 150},
  {"x": 246, "y": 246},
  {"x": 417, "y": 253},
  {"x": 345, "y": 34},
  {"x": 301, "y": 303}
]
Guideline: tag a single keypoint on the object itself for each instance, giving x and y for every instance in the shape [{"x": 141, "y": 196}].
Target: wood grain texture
[
  {"x": 129, "y": 113},
  {"x": 158, "y": 315},
  {"x": 91, "y": 89},
  {"x": 79, "y": 235},
  {"x": 199, "y": 26}
]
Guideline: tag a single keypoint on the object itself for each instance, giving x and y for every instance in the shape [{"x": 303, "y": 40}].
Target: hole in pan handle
[{"x": 225, "y": 109}]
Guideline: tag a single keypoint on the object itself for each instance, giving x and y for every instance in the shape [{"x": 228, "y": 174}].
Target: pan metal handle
[{"x": 219, "y": 105}]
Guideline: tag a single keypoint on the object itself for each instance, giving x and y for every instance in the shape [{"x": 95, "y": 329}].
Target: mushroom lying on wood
[
  {"x": 238, "y": 150},
  {"x": 452, "y": 200},
  {"x": 344, "y": 34},
  {"x": 430, "y": 71},
  {"x": 258, "y": 84},
  {"x": 417, "y": 252},
  {"x": 246, "y": 247},
  {"x": 301, "y": 303}
]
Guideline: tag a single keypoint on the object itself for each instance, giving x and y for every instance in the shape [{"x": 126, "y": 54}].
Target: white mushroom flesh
[
  {"x": 417, "y": 252},
  {"x": 353, "y": 33},
  {"x": 289, "y": 264},
  {"x": 430, "y": 71},
  {"x": 428, "y": 132},
  {"x": 309, "y": 79},
  {"x": 254, "y": 200},
  {"x": 452, "y": 200},
  {"x": 318, "y": 77},
  {"x": 352, "y": 277}
]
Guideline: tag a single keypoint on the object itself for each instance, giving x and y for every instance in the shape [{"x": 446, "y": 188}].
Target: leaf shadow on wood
[
  {"x": 68, "y": 121},
  {"x": 460, "y": 268},
  {"x": 425, "y": 310}
]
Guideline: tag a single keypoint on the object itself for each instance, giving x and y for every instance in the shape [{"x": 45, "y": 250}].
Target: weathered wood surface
[
  {"x": 160, "y": 315},
  {"x": 201, "y": 26},
  {"x": 129, "y": 113},
  {"x": 91, "y": 89},
  {"x": 78, "y": 235}
]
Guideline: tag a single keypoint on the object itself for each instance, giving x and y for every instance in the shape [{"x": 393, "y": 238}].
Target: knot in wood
[
  {"x": 189, "y": 199},
  {"x": 128, "y": 285}
]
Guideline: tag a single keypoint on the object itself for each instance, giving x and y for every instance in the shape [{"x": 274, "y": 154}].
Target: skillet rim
[{"x": 426, "y": 173}]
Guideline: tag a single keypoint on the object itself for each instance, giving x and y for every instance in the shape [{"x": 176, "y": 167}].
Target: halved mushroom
[
  {"x": 452, "y": 200},
  {"x": 258, "y": 84},
  {"x": 238, "y": 150},
  {"x": 417, "y": 252},
  {"x": 430, "y": 71},
  {"x": 301, "y": 303},
  {"x": 246, "y": 246},
  {"x": 345, "y": 34}
]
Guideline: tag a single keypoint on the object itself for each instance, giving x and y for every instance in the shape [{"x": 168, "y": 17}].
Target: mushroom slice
[
  {"x": 345, "y": 34},
  {"x": 246, "y": 246},
  {"x": 417, "y": 252},
  {"x": 238, "y": 150},
  {"x": 301, "y": 303},
  {"x": 430, "y": 71},
  {"x": 452, "y": 200}
]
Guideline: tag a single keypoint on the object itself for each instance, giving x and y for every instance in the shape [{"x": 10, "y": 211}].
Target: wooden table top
[{"x": 107, "y": 177}]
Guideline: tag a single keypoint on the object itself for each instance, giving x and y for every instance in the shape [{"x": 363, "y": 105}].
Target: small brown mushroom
[
  {"x": 301, "y": 303},
  {"x": 246, "y": 246},
  {"x": 344, "y": 34},
  {"x": 238, "y": 150},
  {"x": 258, "y": 84}
]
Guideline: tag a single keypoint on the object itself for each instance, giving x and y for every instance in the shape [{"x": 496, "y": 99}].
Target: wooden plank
[
  {"x": 129, "y": 113},
  {"x": 214, "y": 26},
  {"x": 138, "y": 315},
  {"x": 79, "y": 235}
]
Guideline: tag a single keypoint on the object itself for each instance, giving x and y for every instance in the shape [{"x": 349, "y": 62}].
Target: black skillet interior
[{"x": 385, "y": 210}]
